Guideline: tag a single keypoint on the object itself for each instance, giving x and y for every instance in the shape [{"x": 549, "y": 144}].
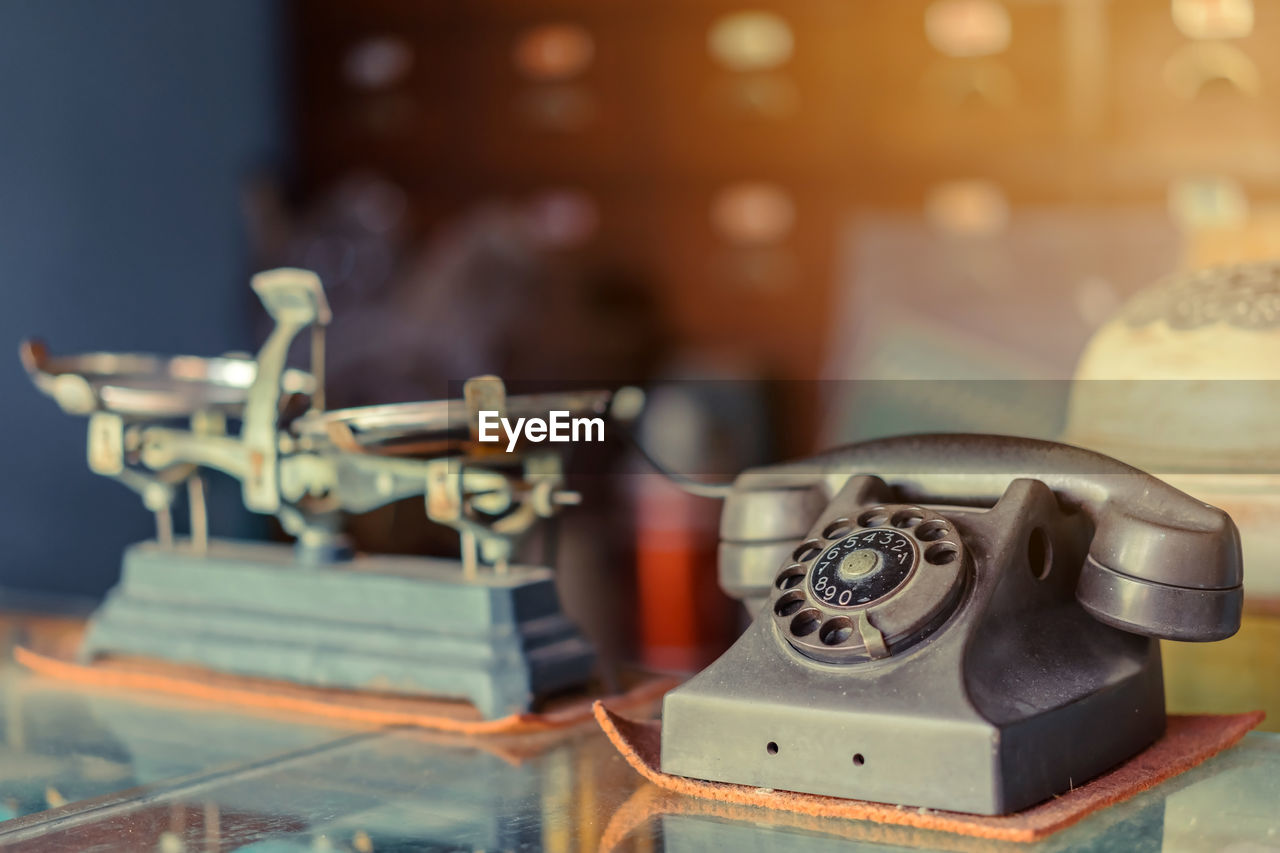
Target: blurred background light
[
  {"x": 753, "y": 213},
  {"x": 968, "y": 208},
  {"x": 1208, "y": 202},
  {"x": 1213, "y": 19},
  {"x": 964, "y": 28},
  {"x": 750, "y": 41},
  {"x": 563, "y": 218},
  {"x": 553, "y": 52},
  {"x": 378, "y": 63}
]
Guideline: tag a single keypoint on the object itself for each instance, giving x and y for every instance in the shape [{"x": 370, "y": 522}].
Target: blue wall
[{"x": 126, "y": 129}]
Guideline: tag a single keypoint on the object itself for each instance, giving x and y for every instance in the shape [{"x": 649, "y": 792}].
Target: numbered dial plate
[
  {"x": 863, "y": 567},
  {"x": 871, "y": 582}
]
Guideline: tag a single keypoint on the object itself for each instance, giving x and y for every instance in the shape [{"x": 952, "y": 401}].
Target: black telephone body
[{"x": 961, "y": 622}]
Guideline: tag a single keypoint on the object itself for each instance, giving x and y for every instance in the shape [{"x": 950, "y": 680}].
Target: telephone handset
[
  {"x": 963, "y": 622},
  {"x": 1161, "y": 563}
]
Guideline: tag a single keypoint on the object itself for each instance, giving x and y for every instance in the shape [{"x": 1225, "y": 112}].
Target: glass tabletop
[{"x": 104, "y": 771}]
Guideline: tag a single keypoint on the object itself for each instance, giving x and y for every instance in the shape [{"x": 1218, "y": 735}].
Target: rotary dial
[{"x": 865, "y": 589}]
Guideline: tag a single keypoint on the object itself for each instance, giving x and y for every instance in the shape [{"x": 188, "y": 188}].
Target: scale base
[{"x": 386, "y": 624}]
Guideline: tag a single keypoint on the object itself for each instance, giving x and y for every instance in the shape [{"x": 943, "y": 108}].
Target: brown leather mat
[
  {"x": 342, "y": 706},
  {"x": 1188, "y": 740}
]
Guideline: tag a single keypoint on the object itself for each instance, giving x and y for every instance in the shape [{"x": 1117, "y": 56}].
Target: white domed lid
[{"x": 1183, "y": 377}]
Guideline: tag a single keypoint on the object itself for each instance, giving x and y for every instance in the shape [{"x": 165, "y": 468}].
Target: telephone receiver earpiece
[{"x": 1161, "y": 563}]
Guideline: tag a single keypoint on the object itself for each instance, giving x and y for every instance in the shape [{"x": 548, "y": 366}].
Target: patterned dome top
[
  {"x": 1191, "y": 376},
  {"x": 1246, "y": 296}
]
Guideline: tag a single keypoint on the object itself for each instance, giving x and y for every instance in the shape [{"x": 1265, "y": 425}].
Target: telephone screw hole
[
  {"x": 771, "y": 748},
  {"x": 858, "y": 760}
]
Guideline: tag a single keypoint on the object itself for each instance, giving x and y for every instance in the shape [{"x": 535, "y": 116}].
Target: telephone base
[
  {"x": 845, "y": 737},
  {"x": 388, "y": 624}
]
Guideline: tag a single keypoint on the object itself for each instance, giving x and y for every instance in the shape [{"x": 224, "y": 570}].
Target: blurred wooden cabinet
[{"x": 659, "y": 112}]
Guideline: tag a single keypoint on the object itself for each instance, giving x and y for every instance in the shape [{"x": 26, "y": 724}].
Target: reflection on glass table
[
  {"x": 1230, "y": 803},
  {"x": 387, "y": 790},
  {"x": 62, "y": 744},
  {"x": 119, "y": 771}
]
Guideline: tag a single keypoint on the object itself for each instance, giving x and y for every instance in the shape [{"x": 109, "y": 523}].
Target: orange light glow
[
  {"x": 753, "y": 213},
  {"x": 968, "y": 208},
  {"x": 551, "y": 52},
  {"x": 967, "y": 27}
]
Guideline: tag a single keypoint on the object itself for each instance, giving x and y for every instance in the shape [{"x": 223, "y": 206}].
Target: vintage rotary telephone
[{"x": 961, "y": 622}]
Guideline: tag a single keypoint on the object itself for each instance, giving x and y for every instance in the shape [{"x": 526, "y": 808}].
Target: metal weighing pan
[{"x": 148, "y": 386}]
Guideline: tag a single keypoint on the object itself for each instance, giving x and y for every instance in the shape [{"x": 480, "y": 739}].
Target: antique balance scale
[{"x": 481, "y": 628}]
